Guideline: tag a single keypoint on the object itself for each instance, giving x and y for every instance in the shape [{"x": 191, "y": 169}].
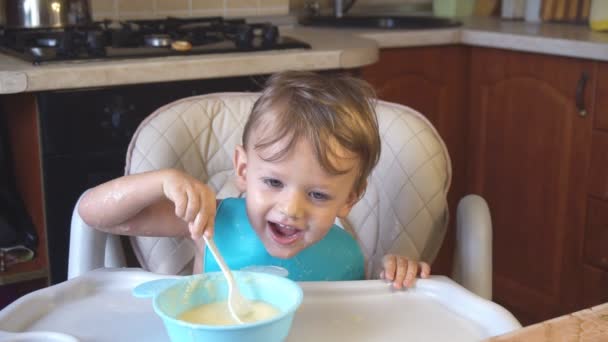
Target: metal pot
[{"x": 24, "y": 14}]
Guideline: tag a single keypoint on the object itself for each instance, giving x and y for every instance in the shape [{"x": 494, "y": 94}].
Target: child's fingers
[
  {"x": 410, "y": 276},
  {"x": 402, "y": 267},
  {"x": 402, "y": 272},
  {"x": 390, "y": 264},
  {"x": 425, "y": 270},
  {"x": 205, "y": 215},
  {"x": 193, "y": 206},
  {"x": 196, "y": 227},
  {"x": 180, "y": 201},
  {"x": 209, "y": 207},
  {"x": 209, "y": 229}
]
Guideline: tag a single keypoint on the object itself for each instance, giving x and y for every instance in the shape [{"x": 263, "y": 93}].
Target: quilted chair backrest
[{"x": 404, "y": 209}]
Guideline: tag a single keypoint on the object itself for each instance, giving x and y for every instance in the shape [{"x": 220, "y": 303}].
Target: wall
[{"x": 138, "y": 9}]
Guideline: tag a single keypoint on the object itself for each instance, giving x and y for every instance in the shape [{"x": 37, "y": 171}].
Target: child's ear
[
  {"x": 240, "y": 167},
  {"x": 352, "y": 199}
]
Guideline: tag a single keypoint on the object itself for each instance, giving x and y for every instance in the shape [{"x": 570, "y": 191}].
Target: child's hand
[
  {"x": 401, "y": 271},
  {"x": 194, "y": 202}
]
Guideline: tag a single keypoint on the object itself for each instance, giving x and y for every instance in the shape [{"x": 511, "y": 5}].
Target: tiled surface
[{"x": 138, "y": 9}]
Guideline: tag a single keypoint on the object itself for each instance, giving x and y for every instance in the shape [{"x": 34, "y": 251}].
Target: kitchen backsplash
[
  {"x": 139, "y": 9},
  {"x": 299, "y": 4}
]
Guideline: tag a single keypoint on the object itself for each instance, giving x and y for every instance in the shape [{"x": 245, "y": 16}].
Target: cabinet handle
[{"x": 580, "y": 94}]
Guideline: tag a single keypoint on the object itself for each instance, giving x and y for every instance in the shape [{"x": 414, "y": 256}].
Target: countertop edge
[
  {"x": 128, "y": 72},
  {"x": 325, "y": 54},
  {"x": 543, "y": 45},
  {"x": 545, "y": 38},
  {"x": 331, "y": 49},
  {"x": 12, "y": 82}
]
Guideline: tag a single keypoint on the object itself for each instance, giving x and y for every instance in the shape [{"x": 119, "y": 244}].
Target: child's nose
[{"x": 292, "y": 205}]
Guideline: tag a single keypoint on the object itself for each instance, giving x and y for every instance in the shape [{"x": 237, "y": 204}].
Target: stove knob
[
  {"x": 65, "y": 44},
  {"x": 244, "y": 37},
  {"x": 96, "y": 43},
  {"x": 270, "y": 35}
]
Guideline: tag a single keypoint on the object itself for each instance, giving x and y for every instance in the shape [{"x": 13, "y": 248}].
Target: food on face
[{"x": 217, "y": 313}]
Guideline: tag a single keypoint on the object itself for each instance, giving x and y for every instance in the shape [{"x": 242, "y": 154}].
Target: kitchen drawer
[
  {"x": 601, "y": 97},
  {"x": 596, "y": 234},
  {"x": 598, "y": 172}
]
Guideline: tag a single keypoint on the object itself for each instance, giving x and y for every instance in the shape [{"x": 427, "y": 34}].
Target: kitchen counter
[
  {"x": 331, "y": 49},
  {"x": 586, "y": 325},
  {"x": 555, "y": 39}
]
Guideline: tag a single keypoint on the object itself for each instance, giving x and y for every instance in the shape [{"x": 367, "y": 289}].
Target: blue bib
[{"x": 336, "y": 257}]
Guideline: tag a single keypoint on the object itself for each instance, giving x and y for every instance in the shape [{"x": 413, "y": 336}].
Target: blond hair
[{"x": 323, "y": 109}]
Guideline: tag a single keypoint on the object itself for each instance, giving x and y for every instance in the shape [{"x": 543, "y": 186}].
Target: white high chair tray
[{"x": 98, "y": 306}]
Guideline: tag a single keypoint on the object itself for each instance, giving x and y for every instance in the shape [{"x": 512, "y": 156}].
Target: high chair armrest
[
  {"x": 91, "y": 248},
  {"x": 473, "y": 252}
]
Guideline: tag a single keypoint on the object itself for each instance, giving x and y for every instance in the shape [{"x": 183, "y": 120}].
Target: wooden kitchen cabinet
[
  {"x": 529, "y": 152},
  {"x": 431, "y": 80},
  {"x": 598, "y": 171},
  {"x": 595, "y": 286},
  {"x": 595, "y": 249},
  {"x": 596, "y": 235},
  {"x": 512, "y": 122},
  {"x": 601, "y": 98},
  {"x": 20, "y": 115}
]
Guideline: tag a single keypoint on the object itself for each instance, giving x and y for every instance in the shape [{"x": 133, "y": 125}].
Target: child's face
[{"x": 293, "y": 202}]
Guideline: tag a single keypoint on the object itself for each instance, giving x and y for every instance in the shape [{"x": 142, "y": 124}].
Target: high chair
[{"x": 404, "y": 209}]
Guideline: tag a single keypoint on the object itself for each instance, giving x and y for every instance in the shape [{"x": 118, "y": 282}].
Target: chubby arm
[
  {"x": 401, "y": 271},
  {"x": 158, "y": 203}
]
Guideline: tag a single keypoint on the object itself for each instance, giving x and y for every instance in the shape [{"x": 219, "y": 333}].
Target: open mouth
[{"x": 284, "y": 234}]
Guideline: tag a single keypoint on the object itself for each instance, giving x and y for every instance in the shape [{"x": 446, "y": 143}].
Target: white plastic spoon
[{"x": 238, "y": 305}]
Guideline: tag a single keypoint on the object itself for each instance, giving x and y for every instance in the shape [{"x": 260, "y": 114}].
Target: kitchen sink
[{"x": 380, "y": 22}]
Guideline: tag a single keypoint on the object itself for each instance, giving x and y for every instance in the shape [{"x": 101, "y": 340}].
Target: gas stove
[{"x": 105, "y": 40}]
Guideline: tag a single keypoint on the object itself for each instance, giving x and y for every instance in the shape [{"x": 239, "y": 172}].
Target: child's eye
[
  {"x": 319, "y": 196},
  {"x": 273, "y": 183}
]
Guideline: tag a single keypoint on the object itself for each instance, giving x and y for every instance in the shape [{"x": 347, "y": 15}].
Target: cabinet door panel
[
  {"x": 601, "y": 120},
  {"x": 430, "y": 80},
  {"x": 595, "y": 289},
  {"x": 529, "y": 154},
  {"x": 598, "y": 171},
  {"x": 596, "y": 234}
]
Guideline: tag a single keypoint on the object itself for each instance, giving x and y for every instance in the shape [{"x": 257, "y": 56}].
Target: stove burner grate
[{"x": 144, "y": 38}]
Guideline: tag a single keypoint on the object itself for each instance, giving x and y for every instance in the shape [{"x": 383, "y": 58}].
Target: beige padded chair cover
[{"x": 404, "y": 209}]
